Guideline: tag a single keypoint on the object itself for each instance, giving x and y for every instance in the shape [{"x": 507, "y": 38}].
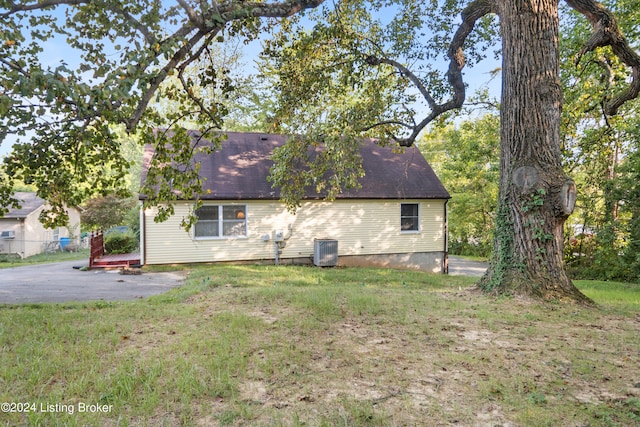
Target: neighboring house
[
  {"x": 21, "y": 232},
  {"x": 398, "y": 217}
]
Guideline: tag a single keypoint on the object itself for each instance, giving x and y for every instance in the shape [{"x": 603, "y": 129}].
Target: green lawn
[
  {"x": 266, "y": 345},
  {"x": 8, "y": 262},
  {"x": 623, "y": 296}
]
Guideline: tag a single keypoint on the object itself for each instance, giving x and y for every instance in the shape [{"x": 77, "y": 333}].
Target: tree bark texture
[{"x": 536, "y": 196}]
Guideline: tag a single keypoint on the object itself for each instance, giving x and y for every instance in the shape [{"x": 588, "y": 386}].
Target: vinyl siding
[
  {"x": 362, "y": 227},
  {"x": 31, "y": 236}
]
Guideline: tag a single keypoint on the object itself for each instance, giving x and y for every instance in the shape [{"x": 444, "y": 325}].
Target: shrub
[{"x": 120, "y": 243}]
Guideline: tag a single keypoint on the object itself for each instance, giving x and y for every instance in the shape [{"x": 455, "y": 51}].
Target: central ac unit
[{"x": 325, "y": 252}]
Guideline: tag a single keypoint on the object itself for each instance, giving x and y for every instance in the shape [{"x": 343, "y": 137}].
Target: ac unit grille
[{"x": 325, "y": 252}]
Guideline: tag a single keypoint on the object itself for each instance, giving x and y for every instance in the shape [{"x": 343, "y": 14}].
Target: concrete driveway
[
  {"x": 464, "y": 267},
  {"x": 60, "y": 282}
]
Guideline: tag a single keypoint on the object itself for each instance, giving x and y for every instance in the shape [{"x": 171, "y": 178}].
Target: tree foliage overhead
[
  {"x": 364, "y": 69},
  {"x": 61, "y": 112},
  {"x": 375, "y": 67}
]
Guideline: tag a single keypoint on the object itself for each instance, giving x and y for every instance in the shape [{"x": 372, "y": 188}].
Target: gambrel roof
[{"x": 239, "y": 170}]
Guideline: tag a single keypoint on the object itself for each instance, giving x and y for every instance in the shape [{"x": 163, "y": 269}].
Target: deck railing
[{"x": 97, "y": 247}]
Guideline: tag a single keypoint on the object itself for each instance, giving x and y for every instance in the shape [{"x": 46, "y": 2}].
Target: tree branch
[
  {"x": 155, "y": 83},
  {"x": 215, "y": 120},
  {"x": 38, "y": 5},
  {"x": 470, "y": 15},
  {"x": 151, "y": 40},
  {"x": 207, "y": 22},
  {"x": 607, "y": 33},
  {"x": 372, "y": 60},
  {"x": 14, "y": 67},
  {"x": 267, "y": 10},
  {"x": 210, "y": 25},
  {"x": 193, "y": 16}
]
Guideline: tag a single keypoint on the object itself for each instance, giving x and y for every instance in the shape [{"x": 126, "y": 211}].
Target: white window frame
[
  {"x": 221, "y": 222},
  {"x": 417, "y": 218}
]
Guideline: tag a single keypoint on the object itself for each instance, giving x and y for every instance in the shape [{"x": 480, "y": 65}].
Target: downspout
[
  {"x": 143, "y": 235},
  {"x": 22, "y": 253},
  {"x": 445, "y": 258}
]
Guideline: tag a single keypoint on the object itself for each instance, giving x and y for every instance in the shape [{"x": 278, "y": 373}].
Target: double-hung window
[
  {"x": 409, "y": 217},
  {"x": 219, "y": 221}
]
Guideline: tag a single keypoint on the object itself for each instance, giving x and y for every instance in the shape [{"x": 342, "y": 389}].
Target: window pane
[
  {"x": 409, "y": 219},
  {"x": 233, "y": 212},
  {"x": 233, "y": 228},
  {"x": 207, "y": 213},
  {"x": 207, "y": 225},
  {"x": 409, "y": 210},
  {"x": 206, "y": 229},
  {"x": 409, "y": 224}
]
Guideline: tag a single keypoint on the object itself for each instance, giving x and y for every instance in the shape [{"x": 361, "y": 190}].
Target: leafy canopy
[{"x": 61, "y": 115}]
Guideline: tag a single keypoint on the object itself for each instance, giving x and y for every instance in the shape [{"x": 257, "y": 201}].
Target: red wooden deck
[
  {"x": 98, "y": 259},
  {"x": 116, "y": 260}
]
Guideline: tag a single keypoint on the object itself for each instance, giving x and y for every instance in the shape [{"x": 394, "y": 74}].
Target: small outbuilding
[
  {"x": 398, "y": 217},
  {"x": 22, "y": 233}
]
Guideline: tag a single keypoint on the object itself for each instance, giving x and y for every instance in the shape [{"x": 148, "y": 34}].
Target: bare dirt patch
[{"x": 484, "y": 363}]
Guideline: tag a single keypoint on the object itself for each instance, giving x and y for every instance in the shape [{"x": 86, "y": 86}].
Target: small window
[
  {"x": 409, "y": 218},
  {"x": 221, "y": 221},
  {"x": 207, "y": 225}
]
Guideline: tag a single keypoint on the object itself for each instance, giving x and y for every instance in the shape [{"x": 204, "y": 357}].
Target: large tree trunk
[{"x": 536, "y": 196}]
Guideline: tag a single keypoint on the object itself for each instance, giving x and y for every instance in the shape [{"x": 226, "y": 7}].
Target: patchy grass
[
  {"x": 265, "y": 345},
  {"x": 13, "y": 261}
]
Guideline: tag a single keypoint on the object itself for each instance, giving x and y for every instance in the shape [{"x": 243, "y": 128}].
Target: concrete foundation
[{"x": 432, "y": 262}]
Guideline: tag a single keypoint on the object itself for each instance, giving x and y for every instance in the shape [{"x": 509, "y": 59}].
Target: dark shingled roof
[
  {"x": 239, "y": 170},
  {"x": 29, "y": 202}
]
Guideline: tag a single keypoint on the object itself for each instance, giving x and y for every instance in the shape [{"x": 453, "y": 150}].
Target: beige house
[
  {"x": 22, "y": 234},
  {"x": 396, "y": 219}
]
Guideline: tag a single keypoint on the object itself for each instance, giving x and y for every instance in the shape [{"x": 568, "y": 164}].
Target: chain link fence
[{"x": 16, "y": 248}]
